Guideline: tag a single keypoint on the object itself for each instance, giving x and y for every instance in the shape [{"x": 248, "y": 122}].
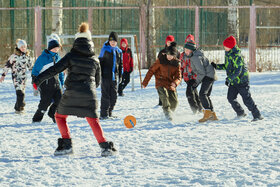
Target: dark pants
[
  {"x": 125, "y": 81},
  {"x": 244, "y": 91},
  {"x": 108, "y": 97},
  {"x": 205, "y": 92},
  {"x": 168, "y": 98},
  {"x": 49, "y": 96},
  {"x": 19, "y": 106},
  {"x": 193, "y": 98}
]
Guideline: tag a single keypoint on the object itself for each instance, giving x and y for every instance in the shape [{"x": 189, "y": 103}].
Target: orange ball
[{"x": 129, "y": 121}]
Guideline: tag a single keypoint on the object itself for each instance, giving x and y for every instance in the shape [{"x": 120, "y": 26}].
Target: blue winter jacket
[
  {"x": 235, "y": 67},
  {"x": 44, "y": 61}
]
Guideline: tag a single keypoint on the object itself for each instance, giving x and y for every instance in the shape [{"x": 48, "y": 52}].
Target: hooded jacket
[
  {"x": 111, "y": 62},
  {"x": 201, "y": 66},
  {"x": 127, "y": 57},
  {"x": 237, "y": 72},
  {"x": 79, "y": 98},
  {"x": 166, "y": 72}
]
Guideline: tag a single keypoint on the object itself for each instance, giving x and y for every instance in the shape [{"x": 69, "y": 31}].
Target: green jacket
[{"x": 237, "y": 72}]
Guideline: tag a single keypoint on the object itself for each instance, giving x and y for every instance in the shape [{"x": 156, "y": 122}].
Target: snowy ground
[{"x": 229, "y": 152}]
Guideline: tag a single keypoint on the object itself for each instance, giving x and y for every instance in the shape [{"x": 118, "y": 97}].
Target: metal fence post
[
  {"x": 37, "y": 31},
  {"x": 90, "y": 19},
  {"x": 252, "y": 44},
  {"x": 197, "y": 26}
]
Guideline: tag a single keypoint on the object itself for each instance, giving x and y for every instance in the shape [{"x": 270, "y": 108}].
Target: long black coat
[{"x": 79, "y": 98}]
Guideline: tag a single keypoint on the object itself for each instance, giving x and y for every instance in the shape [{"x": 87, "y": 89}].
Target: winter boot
[
  {"x": 241, "y": 115},
  {"x": 107, "y": 149},
  {"x": 214, "y": 117},
  {"x": 64, "y": 147},
  {"x": 257, "y": 118},
  {"x": 38, "y": 116},
  {"x": 207, "y": 116}
]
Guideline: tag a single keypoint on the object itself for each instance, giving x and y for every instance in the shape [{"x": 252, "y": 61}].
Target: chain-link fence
[{"x": 258, "y": 27}]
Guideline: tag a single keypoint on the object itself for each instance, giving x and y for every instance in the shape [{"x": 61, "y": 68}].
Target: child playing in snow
[
  {"x": 79, "y": 98},
  {"x": 19, "y": 62},
  {"x": 50, "y": 89},
  {"x": 189, "y": 77},
  {"x": 111, "y": 70},
  {"x": 168, "y": 76},
  {"x": 127, "y": 65},
  {"x": 237, "y": 79},
  {"x": 168, "y": 40},
  {"x": 206, "y": 75}
]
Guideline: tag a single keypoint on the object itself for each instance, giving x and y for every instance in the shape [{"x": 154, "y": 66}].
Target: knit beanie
[
  {"x": 190, "y": 38},
  {"x": 83, "y": 32},
  {"x": 53, "y": 44},
  {"x": 113, "y": 36},
  {"x": 172, "y": 50},
  {"x": 169, "y": 38},
  {"x": 21, "y": 43},
  {"x": 190, "y": 46},
  {"x": 229, "y": 42}
]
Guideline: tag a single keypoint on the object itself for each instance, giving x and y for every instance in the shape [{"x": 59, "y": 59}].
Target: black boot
[
  {"x": 38, "y": 116},
  {"x": 107, "y": 149},
  {"x": 64, "y": 147}
]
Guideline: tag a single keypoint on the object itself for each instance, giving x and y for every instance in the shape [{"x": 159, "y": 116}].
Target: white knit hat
[
  {"x": 86, "y": 34},
  {"x": 21, "y": 43}
]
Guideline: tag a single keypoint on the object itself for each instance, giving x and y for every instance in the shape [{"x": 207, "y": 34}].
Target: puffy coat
[
  {"x": 166, "y": 72},
  {"x": 201, "y": 66},
  {"x": 79, "y": 98},
  {"x": 237, "y": 72},
  {"x": 127, "y": 57},
  {"x": 19, "y": 63},
  {"x": 111, "y": 62},
  {"x": 186, "y": 68}
]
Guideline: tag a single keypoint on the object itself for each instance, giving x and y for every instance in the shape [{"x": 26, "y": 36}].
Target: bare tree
[
  {"x": 233, "y": 19},
  {"x": 57, "y": 17}
]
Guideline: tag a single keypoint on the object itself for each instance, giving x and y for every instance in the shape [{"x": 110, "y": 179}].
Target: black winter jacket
[{"x": 79, "y": 98}]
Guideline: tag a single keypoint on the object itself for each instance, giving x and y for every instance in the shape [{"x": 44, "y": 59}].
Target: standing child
[
  {"x": 50, "y": 89},
  {"x": 111, "y": 69},
  {"x": 127, "y": 65},
  {"x": 189, "y": 77},
  {"x": 79, "y": 98},
  {"x": 19, "y": 62},
  {"x": 206, "y": 75},
  {"x": 168, "y": 76},
  {"x": 237, "y": 79}
]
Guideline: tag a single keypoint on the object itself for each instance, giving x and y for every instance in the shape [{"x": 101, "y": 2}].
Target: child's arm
[
  {"x": 177, "y": 76},
  {"x": 150, "y": 73},
  {"x": 131, "y": 61},
  {"x": 6, "y": 68},
  {"x": 198, "y": 68}
]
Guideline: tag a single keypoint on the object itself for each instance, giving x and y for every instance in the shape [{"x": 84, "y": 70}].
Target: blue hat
[{"x": 53, "y": 44}]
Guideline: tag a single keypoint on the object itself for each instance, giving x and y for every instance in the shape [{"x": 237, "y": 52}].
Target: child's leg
[
  {"x": 248, "y": 100},
  {"x": 20, "y": 100},
  {"x": 173, "y": 99},
  {"x": 163, "y": 96},
  {"x": 204, "y": 94},
  {"x": 62, "y": 126},
  {"x": 96, "y": 129},
  {"x": 232, "y": 99}
]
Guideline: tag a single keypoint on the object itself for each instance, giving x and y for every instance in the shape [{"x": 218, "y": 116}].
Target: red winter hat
[
  {"x": 169, "y": 38},
  {"x": 190, "y": 38},
  {"x": 230, "y": 42}
]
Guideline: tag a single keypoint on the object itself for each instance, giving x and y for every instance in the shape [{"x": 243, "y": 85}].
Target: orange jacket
[{"x": 165, "y": 75}]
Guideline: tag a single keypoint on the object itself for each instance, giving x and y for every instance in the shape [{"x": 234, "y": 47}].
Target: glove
[
  {"x": 35, "y": 86},
  {"x": 214, "y": 65},
  {"x": 195, "y": 85},
  {"x": 227, "y": 83}
]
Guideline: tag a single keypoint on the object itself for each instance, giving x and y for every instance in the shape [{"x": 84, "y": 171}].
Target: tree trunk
[
  {"x": 233, "y": 19},
  {"x": 151, "y": 35},
  {"x": 57, "y": 17}
]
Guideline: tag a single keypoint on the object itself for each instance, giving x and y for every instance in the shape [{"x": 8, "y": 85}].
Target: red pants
[{"x": 93, "y": 122}]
